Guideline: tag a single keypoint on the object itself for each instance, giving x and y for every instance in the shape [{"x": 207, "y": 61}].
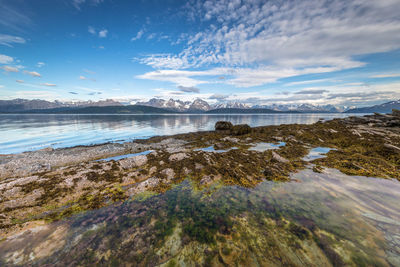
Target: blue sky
[{"x": 256, "y": 52}]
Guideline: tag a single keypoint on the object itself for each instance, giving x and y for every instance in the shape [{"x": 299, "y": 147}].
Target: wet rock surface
[{"x": 52, "y": 185}]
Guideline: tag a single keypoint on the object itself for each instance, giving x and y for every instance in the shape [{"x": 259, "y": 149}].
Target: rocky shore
[{"x": 51, "y": 184}]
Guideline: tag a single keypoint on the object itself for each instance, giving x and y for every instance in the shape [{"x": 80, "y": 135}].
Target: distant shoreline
[{"x": 180, "y": 114}]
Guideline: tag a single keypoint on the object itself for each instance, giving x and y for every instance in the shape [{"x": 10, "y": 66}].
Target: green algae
[
  {"x": 143, "y": 196},
  {"x": 271, "y": 224},
  {"x": 94, "y": 200}
]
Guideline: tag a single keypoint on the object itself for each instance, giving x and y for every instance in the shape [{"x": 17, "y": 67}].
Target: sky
[{"x": 336, "y": 52}]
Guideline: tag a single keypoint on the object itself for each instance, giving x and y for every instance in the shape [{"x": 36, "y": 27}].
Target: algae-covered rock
[
  {"x": 132, "y": 162},
  {"x": 279, "y": 158},
  {"x": 168, "y": 173},
  {"x": 223, "y": 126},
  {"x": 241, "y": 129},
  {"x": 177, "y": 157}
]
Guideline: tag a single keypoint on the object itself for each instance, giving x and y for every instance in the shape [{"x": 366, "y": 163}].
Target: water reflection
[
  {"x": 317, "y": 153},
  {"x": 262, "y": 146},
  {"x": 20, "y": 133},
  {"x": 213, "y": 150}
]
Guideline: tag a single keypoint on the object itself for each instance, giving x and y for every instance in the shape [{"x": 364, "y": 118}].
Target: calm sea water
[{"x": 19, "y": 133}]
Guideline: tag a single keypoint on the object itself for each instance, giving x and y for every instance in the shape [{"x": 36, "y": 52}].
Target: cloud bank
[{"x": 254, "y": 42}]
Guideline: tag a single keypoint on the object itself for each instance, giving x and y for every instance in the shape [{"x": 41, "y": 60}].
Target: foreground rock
[
  {"x": 54, "y": 184},
  {"x": 227, "y": 127},
  {"x": 223, "y": 126}
]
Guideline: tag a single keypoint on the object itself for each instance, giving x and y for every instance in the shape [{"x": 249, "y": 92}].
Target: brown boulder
[
  {"x": 223, "y": 126},
  {"x": 241, "y": 129},
  {"x": 396, "y": 112}
]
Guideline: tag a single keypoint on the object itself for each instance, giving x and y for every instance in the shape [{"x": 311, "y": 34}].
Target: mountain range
[
  {"x": 178, "y": 105},
  {"x": 382, "y": 108},
  {"x": 19, "y": 105},
  {"x": 201, "y": 105},
  {"x": 157, "y": 105}
]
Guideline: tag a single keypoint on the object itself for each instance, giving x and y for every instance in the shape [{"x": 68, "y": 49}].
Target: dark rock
[
  {"x": 241, "y": 129},
  {"x": 392, "y": 123},
  {"x": 223, "y": 126},
  {"x": 219, "y": 146},
  {"x": 269, "y": 174},
  {"x": 396, "y": 112}
]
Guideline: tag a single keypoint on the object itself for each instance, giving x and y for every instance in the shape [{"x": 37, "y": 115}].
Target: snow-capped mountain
[
  {"x": 382, "y": 108},
  {"x": 17, "y": 105},
  {"x": 314, "y": 108},
  {"x": 198, "y": 105},
  {"x": 230, "y": 105},
  {"x": 177, "y": 105},
  {"x": 303, "y": 108},
  {"x": 201, "y": 105}
]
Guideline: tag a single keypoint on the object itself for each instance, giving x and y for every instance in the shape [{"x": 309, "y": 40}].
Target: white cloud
[
  {"x": 151, "y": 36},
  {"x": 40, "y": 64},
  {"x": 239, "y": 77},
  {"x": 91, "y": 30},
  {"x": 19, "y": 81},
  {"x": 310, "y": 82},
  {"x": 179, "y": 77},
  {"x": 167, "y": 94},
  {"x": 32, "y": 73},
  {"x": 12, "y": 18},
  {"x": 138, "y": 35},
  {"x": 311, "y": 92},
  {"x": 160, "y": 61},
  {"x": 190, "y": 89},
  {"x": 78, "y": 3},
  {"x": 103, "y": 33},
  {"x": 86, "y": 78},
  {"x": 89, "y": 71},
  {"x": 348, "y": 95},
  {"x": 4, "y": 59},
  {"x": 9, "y": 40},
  {"x": 10, "y": 69},
  {"x": 48, "y": 84},
  {"x": 46, "y": 95},
  {"x": 219, "y": 97},
  {"x": 297, "y": 37},
  {"x": 389, "y": 75}
]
